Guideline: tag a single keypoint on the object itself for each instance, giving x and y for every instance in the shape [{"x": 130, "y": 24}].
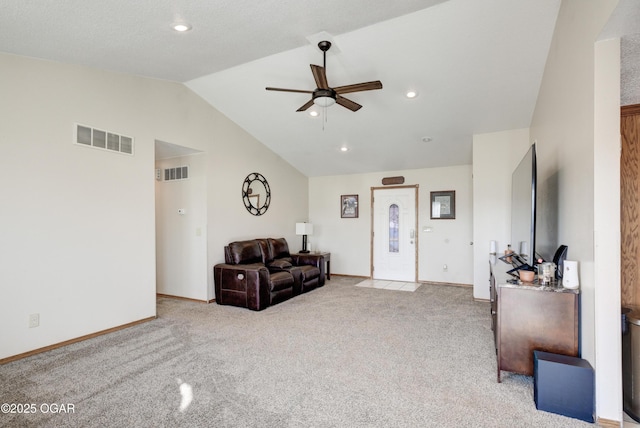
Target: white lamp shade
[{"x": 304, "y": 229}]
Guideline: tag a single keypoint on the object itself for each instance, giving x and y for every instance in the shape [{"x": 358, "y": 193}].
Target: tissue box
[{"x": 563, "y": 385}]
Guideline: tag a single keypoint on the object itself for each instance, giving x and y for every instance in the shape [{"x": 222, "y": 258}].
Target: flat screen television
[{"x": 523, "y": 208}]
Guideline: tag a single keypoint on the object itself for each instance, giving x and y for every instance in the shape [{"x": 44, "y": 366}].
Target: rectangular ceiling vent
[
  {"x": 105, "y": 140},
  {"x": 177, "y": 173}
]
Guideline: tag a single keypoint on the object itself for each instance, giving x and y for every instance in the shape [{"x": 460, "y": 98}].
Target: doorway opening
[{"x": 181, "y": 222}]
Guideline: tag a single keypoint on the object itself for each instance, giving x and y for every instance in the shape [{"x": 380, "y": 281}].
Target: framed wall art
[
  {"x": 349, "y": 206},
  {"x": 443, "y": 205}
]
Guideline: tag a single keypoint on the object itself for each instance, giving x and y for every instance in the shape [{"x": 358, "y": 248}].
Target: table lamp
[{"x": 304, "y": 229}]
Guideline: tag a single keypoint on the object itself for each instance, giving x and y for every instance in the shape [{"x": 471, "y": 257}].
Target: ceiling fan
[{"x": 325, "y": 96}]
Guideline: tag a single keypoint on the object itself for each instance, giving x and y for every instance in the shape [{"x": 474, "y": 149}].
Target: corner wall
[{"x": 607, "y": 232}]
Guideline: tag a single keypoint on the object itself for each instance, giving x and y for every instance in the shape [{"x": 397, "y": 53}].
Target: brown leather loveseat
[{"x": 262, "y": 272}]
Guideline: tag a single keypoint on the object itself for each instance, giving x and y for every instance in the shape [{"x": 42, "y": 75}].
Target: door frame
[{"x": 371, "y": 243}]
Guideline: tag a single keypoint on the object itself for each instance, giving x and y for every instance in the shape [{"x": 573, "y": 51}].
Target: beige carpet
[{"x": 339, "y": 356}]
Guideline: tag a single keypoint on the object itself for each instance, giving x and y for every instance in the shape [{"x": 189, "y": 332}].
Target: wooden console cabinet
[{"x": 525, "y": 318}]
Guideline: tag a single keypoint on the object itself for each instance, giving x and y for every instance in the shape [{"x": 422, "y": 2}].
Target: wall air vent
[
  {"x": 99, "y": 139},
  {"x": 177, "y": 173}
]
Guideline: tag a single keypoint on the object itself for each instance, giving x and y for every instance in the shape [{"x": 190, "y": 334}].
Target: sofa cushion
[
  {"x": 279, "y": 248},
  {"x": 280, "y": 280},
  {"x": 266, "y": 250},
  {"x": 280, "y": 265},
  {"x": 245, "y": 252}
]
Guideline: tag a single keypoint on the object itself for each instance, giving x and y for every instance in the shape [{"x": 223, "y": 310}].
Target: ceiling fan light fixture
[
  {"x": 324, "y": 101},
  {"x": 324, "y": 97}
]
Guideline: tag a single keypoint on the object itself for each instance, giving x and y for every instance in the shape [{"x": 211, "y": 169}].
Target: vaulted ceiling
[{"x": 476, "y": 66}]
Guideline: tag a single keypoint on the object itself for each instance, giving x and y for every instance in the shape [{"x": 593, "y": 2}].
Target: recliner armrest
[
  {"x": 316, "y": 260},
  {"x": 242, "y": 285}
]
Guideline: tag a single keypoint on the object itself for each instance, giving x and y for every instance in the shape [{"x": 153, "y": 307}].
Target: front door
[{"x": 394, "y": 235}]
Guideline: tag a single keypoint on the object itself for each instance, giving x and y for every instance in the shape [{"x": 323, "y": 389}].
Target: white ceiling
[{"x": 477, "y": 66}]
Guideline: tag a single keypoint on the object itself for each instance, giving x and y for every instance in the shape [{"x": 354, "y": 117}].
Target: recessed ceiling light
[
  {"x": 313, "y": 113},
  {"x": 182, "y": 27},
  {"x": 344, "y": 149},
  {"x": 411, "y": 94},
  {"x": 427, "y": 139}
]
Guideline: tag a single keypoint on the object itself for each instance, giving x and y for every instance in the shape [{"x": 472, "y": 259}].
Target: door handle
[{"x": 412, "y": 233}]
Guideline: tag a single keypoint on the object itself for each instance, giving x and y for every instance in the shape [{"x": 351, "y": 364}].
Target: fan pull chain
[{"x": 324, "y": 117}]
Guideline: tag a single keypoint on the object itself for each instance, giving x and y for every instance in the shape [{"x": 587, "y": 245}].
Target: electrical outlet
[
  {"x": 445, "y": 268},
  {"x": 34, "y": 320}
]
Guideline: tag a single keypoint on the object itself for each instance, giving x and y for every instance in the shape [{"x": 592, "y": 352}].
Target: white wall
[
  {"x": 78, "y": 224},
  {"x": 77, "y": 227},
  {"x": 607, "y": 233},
  {"x": 495, "y": 156},
  {"x": 563, "y": 125},
  {"x": 349, "y": 240},
  {"x": 181, "y": 239}
]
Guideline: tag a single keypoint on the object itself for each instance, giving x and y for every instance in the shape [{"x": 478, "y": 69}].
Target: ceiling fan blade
[
  {"x": 306, "y": 105},
  {"x": 289, "y": 90},
  {"x": 320, "y": 76},
  {"x": 344, "y": 102},
  {"x": 366, "y": 86}
]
